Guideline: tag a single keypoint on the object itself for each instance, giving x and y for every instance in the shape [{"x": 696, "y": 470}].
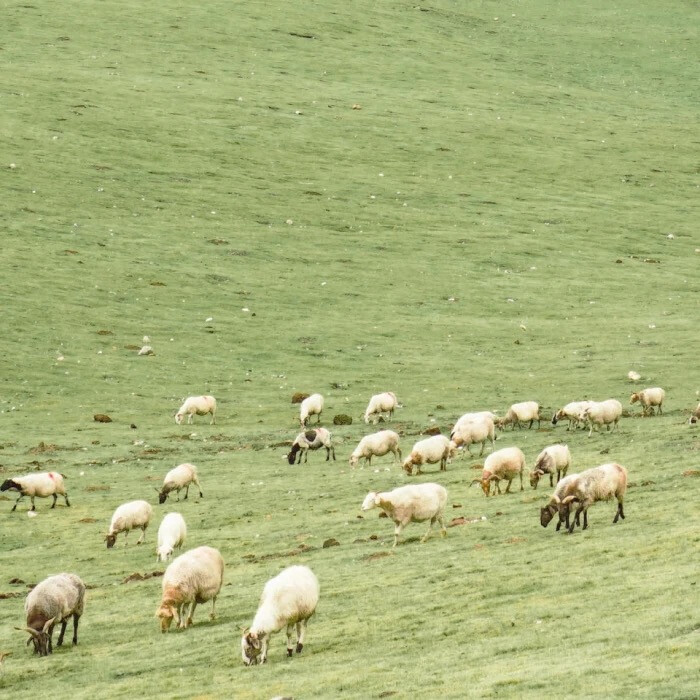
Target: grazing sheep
[
  {"x": 633, "y": 376},
  {"x": 37, "y": 486},
  {"x": 413, "y": 503},
  {"x": 381, "y": 403},
  {"x": 572, "y": 412},
  {"x": 602, "y": 413},
  {"x": 598, "y": 484},
  {"x": 171, "y": 533},
  {"x": 53, "y": 600},
  {"x": 470, "y": 431},
  {"x": 649, "y": 398},
  {"x": 197, "y": 405},
  {"x": 555, "y": 458},
  {"x": 194, "y": 577},
  {"x": 432, "y": 450},
  {"x": 129, "y": 516},
  {"x": 311, "y": 440},
  {"x": 560, "y": 492},
  {"x": 504, "y": 464},
  {"x": 524, "y": 411},
  {"x": 290, "y": 599},
  {"x": 309, "y": 406},
  {"x": 376, "y": 444},
  {"x": 179, "y": 478}
]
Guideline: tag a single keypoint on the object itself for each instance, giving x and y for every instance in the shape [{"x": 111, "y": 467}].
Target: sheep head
[
  {"x": 162, "y": 496},
  {"x": 485, "y": 482},
  {"x": 408, "y": 466},
  {"x": 179, "y": 417},
  {"x": 251, "y": 646},
  {"x": 535, "y": 475},
  {"x": 167, "y": 613},
  {"x": 371, "y": 500},
  {"x": 634, "y": 398},
  {"x": 110, "y": 540},
  {"x": 10, "y": 484},
  {"x": 547, "y": 513},
  {"x": 39, "y": 639}
]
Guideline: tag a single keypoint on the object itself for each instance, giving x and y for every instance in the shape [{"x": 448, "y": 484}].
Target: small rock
[
  {"x": 374, "y": 537},
  {"x": 342, "y": 419},
  {"x": 133, "y": 426},
  {"x": 330, "y": 542},
  {"x": 102, "y": 418},
  {"x": 432, "y": 430},
  {"x": 299, "y": 397}
]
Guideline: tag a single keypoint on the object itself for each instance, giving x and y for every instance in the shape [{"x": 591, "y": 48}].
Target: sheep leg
[
  {"x": 483, "y": 444},
  {"x": 585, "y": 519},
  {"x": 76, "y": 619},
  {"x": 290, "y": 646},
  {"x": 301, "y": 633},
  {"x": 430, "y": 528},
  {"x": 55, "y": 498},
  {"x": 510, "y": 481},
  {"x": 199, "y": 486},
  {"x": 443, "y": 529},
  {"x": 143, "y": 535},
  {"x": 619, "y": 513},
  {"x": 212, "y": 616},
  {"x": 521, "y": 480},
  {"x": 551, "y": 478},
  {"x": 213, "y": 418},
  {"x": 65, "y": 496},
  {"x": 397, "y": 532},
  {"x": 51, "y": 639},
  {"x": 190, "y": 617},
  {"x": 187, "y": 491},
  {"x": 333, "y": 453},
  {"x": 64, "y": 624},
  {"x": 531, "y": 422},
  {"x": 263, "y": 650},
  {"x": 306, "y": 456},
  {"x": 21, "y": 496}
]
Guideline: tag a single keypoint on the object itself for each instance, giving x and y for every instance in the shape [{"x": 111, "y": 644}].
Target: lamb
[
  {"x": 506, "y": 464},
  {"x": 602, "y": 413},
  {"x": 311, "y": 440},
  {"x": 413, "y": 503},
  {"x": 53, "y": 600},
  {"x": 177, "y": 479},
  {"x": 572, "y": 412},
  {"x": 524, "y": 411},
  {"x": 129, "y": 516},
  {"x": 438, "y": 448},
  {"x": 194, "y": 577},
  {"x": 290, "y": 599},
  {"x": 561, "y": 491},
  {"x": 381, "y": 403},
  {"x": 171, "y": 533},
  {"x": 649, "y": 398},
  {"x": 377, "y": 444},
  {"x": 311, "y": 405},
  {"x": 197, "y": 405},
  {"x": 37, "y": 485},
  {"x": 469, "y": 431},
  {"x": 597, "y": 484},
  {"x": 555, "y": 458}
]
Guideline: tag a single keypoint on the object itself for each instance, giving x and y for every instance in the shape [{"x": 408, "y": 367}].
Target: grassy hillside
[{"x": 468, "y": 204}]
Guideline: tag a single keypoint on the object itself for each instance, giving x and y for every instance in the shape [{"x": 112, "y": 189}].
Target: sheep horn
[
  {"x": 568, "y": 499},
  {"x": 49, "y": 623},
  {"x": 34, "y": 633},
  {"x": 494, "y": 476},
  {"x": 556, "y": 498},
  {"x": 476, "y": 481}
]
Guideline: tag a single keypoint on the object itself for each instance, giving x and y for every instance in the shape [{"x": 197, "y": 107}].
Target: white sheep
[
  {"x": 53, "y": 600},
  {"x": 471, "y": 431},
  {"x": 194, "y": 577},
  {"x": 633, "y": 376},
  {"x": 39, "y": 485},
  {"x": 598, "y": 484},
  {"x": 601, "y": 413},
  {"x": 311, "y": 440},
  {"x": 555, "y": 458},
  {"x": 129, "y": 516},
  {"x": 572, "y": 412},
  {"x": 311, "y": 405},
  {"x": 376, "y": 444},
  {"x": 196, "y": 406},
  {"x": 289, "y": 599},
  {"x": 432, "y": 450},
  {"x": 648, "y": 398},
  {"x": 524, "y": 411},
  {"x": 506, "y": 464},
  {"x": 381, "y": 403},
  {"x": 179, "y": 478},
  {"x": 413, "y": 503},
  {"x": 171, "y": 534},
  {"x": 560, "y": 492}
]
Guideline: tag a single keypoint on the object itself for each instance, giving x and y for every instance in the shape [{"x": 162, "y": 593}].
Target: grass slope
[{"x": 512, "y": 165}]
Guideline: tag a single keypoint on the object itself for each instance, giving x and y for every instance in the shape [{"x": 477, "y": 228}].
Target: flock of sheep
[{"x": 289, "y": 599}]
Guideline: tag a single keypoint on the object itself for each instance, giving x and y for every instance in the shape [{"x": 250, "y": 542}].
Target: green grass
[{"x": 528, "y": 167}]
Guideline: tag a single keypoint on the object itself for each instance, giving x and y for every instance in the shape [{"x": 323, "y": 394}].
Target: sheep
[
  {"x": 290, "y": 599},
  {"x": 469, "y": 431},
  {"x": 413, "y": 503},
  {"x": 555, "y": 458},
  {"x": 502, "y": 464},
  {"x": 194, "y": 577},
  {"x": 524, "y": 411},
  {"x": 53, "y": 600},
  {"x": 437, "y": 448},
  {"x": 561, "y": 491},
  {"x": 381, "y": 403},
  {"x": 37, "y": 485},
  {"x": 311, "y": 440},
  {"x": 129, "y": 516},
  {"x": 597, "y": 484},
  {"x": 601, "y": 413},
  {"x": 377, "y": 444},
  {"x": 179, "y": 478},
  {"x": 633, "y": 376},
  {"x": 649, "y": 398},
  {"x": 572, "y": 412},
  {"x": 171, "y": 533},
  {"x": 309, "y": 406},
  {"x": 197, "y": 405}
]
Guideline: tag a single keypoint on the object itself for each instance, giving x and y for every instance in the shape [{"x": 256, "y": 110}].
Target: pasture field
[{"x": 509, "y": 212}]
